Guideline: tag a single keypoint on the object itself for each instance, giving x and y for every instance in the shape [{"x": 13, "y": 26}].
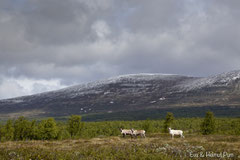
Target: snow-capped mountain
[
  {"x": 223, "y": 79},
  {"x": 129, "y": 93}
]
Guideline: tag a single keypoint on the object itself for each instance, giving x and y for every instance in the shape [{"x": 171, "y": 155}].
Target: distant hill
[{"x": 127, "y": 95}]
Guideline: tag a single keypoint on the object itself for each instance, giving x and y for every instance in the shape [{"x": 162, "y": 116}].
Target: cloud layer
[{"x": 50, "y": 44}]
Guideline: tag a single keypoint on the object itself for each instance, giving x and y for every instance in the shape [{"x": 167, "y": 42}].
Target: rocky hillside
[{"x": 136, "y": 92}]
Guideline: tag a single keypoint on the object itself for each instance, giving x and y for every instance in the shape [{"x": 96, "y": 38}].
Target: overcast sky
[{"x": 51, "y": 44}]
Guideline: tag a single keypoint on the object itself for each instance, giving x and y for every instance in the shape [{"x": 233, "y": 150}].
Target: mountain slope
[{"x": 136, "y": 92}]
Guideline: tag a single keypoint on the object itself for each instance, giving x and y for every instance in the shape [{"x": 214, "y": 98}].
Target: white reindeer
[
  {"x": 176, "y": 132},
  {"x": 125, "y": 132},
  {"x": 138, "y": 132}
]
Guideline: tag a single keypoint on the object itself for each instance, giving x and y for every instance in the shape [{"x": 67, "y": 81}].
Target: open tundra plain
[{"x": 154, "y": 146}]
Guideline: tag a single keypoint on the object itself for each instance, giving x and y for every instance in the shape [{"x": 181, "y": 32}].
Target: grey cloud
[
  {"x": 61, "y": 22},
  {"x": 10, "y": 88},
  {"x": 79, "y": 41},
  {"x": 155, "y": 16}
]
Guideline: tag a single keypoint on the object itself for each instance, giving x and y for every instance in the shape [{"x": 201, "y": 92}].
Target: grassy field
[{"x": 155, "y": 146}]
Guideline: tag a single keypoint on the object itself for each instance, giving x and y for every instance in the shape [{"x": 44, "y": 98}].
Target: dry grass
[
  {"x": 160, "y": 146},
  {"x": 29, "y": 113}
]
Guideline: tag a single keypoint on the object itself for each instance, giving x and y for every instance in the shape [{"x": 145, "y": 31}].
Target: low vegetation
[
  {"x": 47, "y": 139},
  {"x": 154, "y": 147},
  {"x": 74, "y": 128}
]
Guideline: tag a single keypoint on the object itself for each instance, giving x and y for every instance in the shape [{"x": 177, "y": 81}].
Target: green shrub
[
  {"x": 22, "y": 129},
  {"x": 47, "y": 129},
  {"x": 208, "y": 124},
  {"x": 168, "y": 121},
  {"x": 74, "y": 125},
  {"x": 8, "y": 130}
]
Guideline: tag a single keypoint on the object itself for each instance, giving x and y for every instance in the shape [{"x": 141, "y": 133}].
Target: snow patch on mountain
[
  {"x": 133, "y": 78},
  {"x": 219, "y": 80},
  {"x": 134, "y": 83}
]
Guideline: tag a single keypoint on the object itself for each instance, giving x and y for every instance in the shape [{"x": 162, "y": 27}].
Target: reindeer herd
[
  {"x": 135, "y": 133},
  {"x": 132, "y": 132}
]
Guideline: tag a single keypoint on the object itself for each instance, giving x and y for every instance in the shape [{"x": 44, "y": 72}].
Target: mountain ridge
[{"x": 130, "y": 92}]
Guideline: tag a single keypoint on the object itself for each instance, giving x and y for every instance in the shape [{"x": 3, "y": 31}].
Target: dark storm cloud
[
  {"x": 76, "y": 41},
  {"x": 56, "y": 21}
]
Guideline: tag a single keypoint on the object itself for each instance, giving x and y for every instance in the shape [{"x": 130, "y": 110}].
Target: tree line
[{"x": 49, "y": 129}]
